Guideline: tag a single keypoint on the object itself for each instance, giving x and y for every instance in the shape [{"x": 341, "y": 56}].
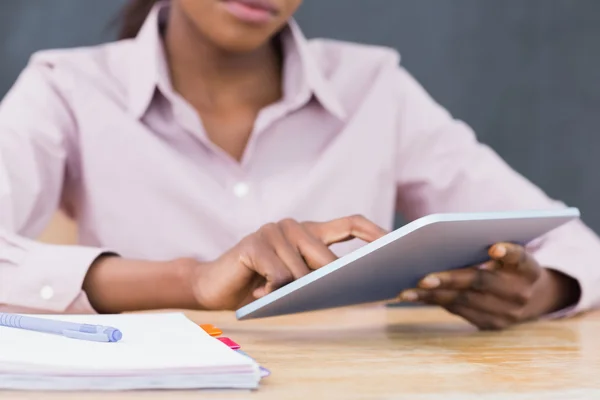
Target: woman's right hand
[{"x": 276, "y": 254}]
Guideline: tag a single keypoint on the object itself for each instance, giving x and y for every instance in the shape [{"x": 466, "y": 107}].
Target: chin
[{"x": 242, "y": 43}]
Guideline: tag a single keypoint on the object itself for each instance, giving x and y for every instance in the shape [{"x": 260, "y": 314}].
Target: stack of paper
[{"x": 157, "y": 351}]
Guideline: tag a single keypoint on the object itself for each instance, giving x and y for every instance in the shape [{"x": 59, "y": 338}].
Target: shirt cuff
[
  {"x": 50, "y": 278},
  {"x": 577, "y": 260}
]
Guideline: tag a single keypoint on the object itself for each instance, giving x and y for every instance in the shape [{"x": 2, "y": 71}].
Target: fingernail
[
  {"x": 499, "y": 251},
  {"x": 431, "y": 281},
  {"x": 409, "y": 295}
]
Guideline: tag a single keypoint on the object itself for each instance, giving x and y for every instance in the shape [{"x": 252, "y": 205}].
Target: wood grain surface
[{"x": 377, "y": 352}]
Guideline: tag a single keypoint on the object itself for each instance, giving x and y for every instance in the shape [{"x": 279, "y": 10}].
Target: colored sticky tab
[
  {"x": 233, "y": 345},
  {"x": 211, "y": 329}
]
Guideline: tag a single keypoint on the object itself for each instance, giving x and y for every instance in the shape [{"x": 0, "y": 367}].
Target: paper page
[{"x": 151, "y": 342}]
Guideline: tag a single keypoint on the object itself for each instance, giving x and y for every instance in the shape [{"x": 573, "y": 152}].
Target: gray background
[{"x": 524, "y": 74}]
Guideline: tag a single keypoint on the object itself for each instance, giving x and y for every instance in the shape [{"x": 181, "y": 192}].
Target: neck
[{"x": 217, "y": 78}]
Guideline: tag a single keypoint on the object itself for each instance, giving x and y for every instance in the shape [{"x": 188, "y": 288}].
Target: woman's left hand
[{"x": 510, "y": 288}]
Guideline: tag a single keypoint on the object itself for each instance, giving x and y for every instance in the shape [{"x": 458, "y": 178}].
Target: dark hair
[{"x": 133, "y": 16}]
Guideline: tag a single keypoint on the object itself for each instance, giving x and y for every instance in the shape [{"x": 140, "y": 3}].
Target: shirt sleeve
[
  {"x": 36, "y": 135},
  {"x": 442, "y": 167}
]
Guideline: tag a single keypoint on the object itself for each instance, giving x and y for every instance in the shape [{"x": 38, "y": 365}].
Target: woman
[{"x": 192, "y": 151}]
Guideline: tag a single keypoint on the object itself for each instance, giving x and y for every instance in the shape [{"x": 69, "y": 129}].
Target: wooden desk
[{"x": 390, "y": 353}]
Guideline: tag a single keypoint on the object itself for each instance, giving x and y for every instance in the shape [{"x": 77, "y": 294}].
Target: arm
[
  {"x": 35, "y": 130},
  {"x": 37, "y": 152},
  {"x": 441, "y": 167},
  {"x": 265, "y": 260}
]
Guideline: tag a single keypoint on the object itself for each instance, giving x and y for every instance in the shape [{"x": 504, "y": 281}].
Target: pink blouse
[{"x": 100, "y": 132}]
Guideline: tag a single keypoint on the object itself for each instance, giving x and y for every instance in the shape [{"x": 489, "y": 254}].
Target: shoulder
[
  {"x": 79, "y": 58},
  {"x": 101, "y": 67},
  {"x": 361, "y": 69},
  {"x": 333, "y": 51},
  {"x": 354, "y": 71},
  {"x": 353, "y": 60},
  {"x": 56, "y": 84}
]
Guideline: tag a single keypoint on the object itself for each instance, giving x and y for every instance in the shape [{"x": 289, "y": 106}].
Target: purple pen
[{"x": 95, "y": 333}]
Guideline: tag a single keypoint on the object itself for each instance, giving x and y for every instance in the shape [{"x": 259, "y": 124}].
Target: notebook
[{"x": 157, "y": 351}]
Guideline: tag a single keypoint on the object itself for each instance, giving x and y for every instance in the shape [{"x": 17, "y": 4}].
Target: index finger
[
  {"x": 515, "y": 257},
  {"x": 346, "y": 228},
  {"x": 265, "y": 262},
  {"x": 315, "y": 253}
]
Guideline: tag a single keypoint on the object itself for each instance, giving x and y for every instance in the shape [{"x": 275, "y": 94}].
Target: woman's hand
[
  {"x": 275, "y": 255},
  {"x": 510, "y": 288}
]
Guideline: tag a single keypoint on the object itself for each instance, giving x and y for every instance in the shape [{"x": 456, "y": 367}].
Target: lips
[
  {"x": 264, "y": 5},
  {"x": 251, "y": 11}
]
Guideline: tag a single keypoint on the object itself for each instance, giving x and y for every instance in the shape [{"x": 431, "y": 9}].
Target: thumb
[{"x": 516, "y": 258}]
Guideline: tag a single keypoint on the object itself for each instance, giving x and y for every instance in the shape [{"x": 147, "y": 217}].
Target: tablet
[{"x": 380, "y": 270}]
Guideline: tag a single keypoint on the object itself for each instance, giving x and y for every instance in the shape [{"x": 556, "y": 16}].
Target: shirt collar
[
  {"x": 147, "y": 66},
  {"x": 302, "y": 75}
]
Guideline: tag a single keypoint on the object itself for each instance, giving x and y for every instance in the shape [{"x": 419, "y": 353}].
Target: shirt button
[
  {"x": 47, "y": 293},
  {"x": 241, "y": 189}
]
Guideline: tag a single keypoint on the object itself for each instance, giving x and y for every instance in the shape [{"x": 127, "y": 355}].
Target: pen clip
[{"x": 95, "y": 337}]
